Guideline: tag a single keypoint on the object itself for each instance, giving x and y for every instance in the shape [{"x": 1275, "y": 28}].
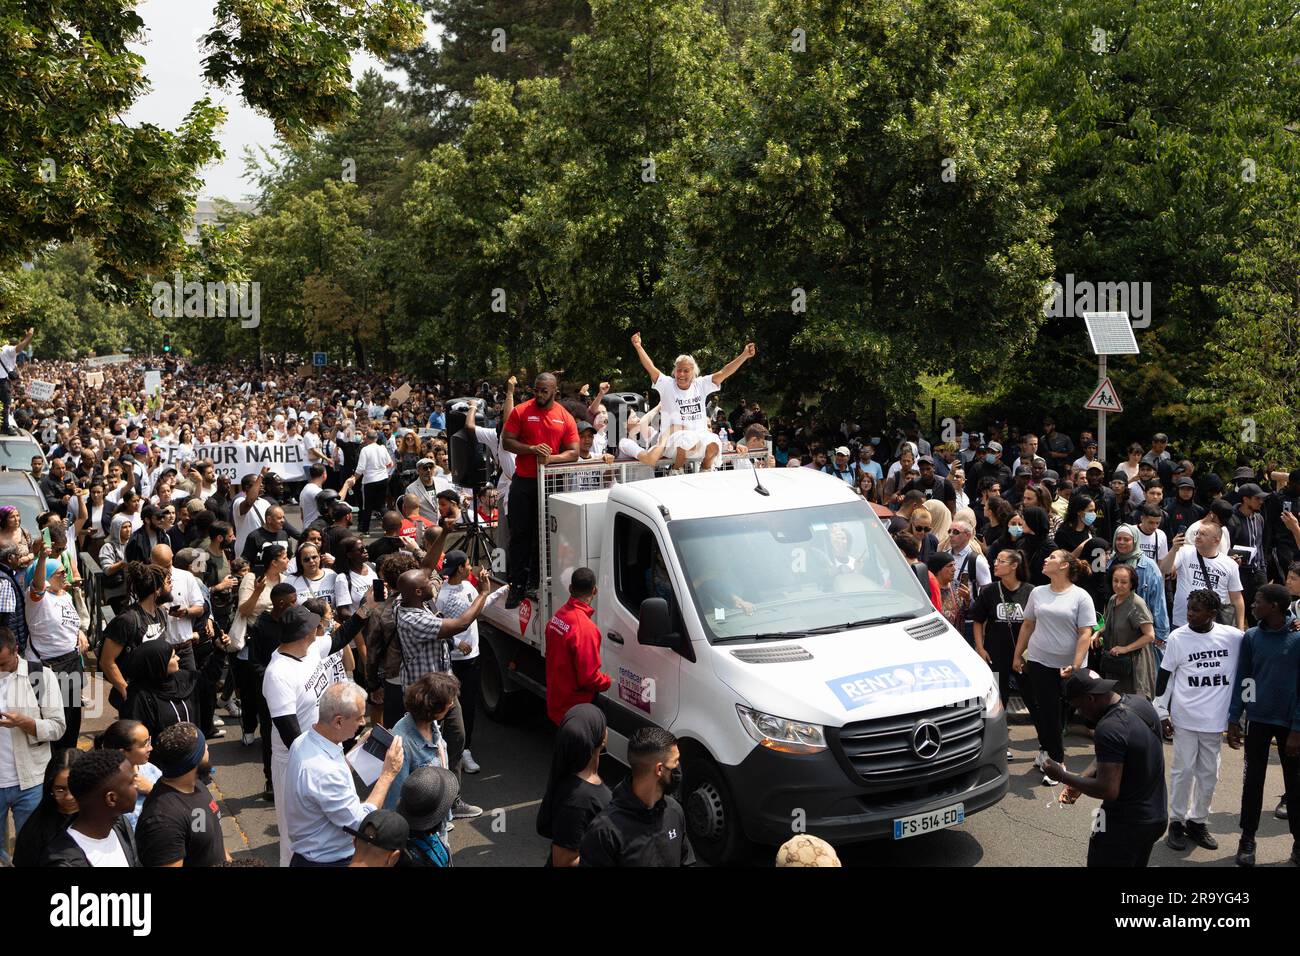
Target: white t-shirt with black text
[
  {"x": 454, "y": 600},
  {"x": 292, "y": 686},
  {"x": 1225, "y": 577},
  {"x": 1202, "y": 669},
  {"x": 684, "y": 409}
]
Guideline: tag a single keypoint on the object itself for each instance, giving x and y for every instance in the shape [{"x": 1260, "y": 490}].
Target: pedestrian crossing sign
[{"x": 1104, "y": 398}]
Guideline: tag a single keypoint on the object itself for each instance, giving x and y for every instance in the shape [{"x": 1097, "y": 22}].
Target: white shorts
[{"x": 695, "y": 443}]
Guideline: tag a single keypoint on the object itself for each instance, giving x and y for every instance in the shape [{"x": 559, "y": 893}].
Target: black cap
[
  {"x": 1244, "y": 473},
  {"x": 386, "y": 829},
  {"x": 296, "y": 623},
  {"x": 586, "y": 427},
  {"x": 1086, "y": 682},
  {"x": 453, "y": 561},
  {"x": 1023, "y": 472},
  {"x": 1251, "y": 490},
  {"x": 1184, "y": 483}
]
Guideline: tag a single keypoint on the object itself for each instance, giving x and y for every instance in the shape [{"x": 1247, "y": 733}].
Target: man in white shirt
[
  {"x": 8, "y": 376},
  {"x": 966, "y": 558},
  {"x": 307, "y": 497},
  {"x": 1199, "y": 565},
  {"x": 320, "y": 798},
  {"x": 374, "y": 465},
  {"x": 307, "y": 662},
  {"x": 249, "y": 509},
  {"x": 103, "y": 783},
  {"x": 1194, "y": 692},
  {"x": 682, "y": 398},
  {"x": 186, "y": 607},
  {"x": 505, "y": 459}
]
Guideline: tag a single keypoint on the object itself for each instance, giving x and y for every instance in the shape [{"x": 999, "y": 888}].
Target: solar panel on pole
[{"x": 1110, "y": 333}]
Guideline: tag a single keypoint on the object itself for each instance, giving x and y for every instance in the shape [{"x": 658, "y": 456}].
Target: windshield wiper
[{"x": 866, "y": 622}]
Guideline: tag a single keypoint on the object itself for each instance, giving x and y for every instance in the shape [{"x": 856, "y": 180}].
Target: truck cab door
[{"x": 644, "y": 680}]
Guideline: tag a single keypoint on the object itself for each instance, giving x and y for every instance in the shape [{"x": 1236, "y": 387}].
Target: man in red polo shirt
[
  {"x": 538, "y": 430},
  {"x": 573, "y": 673}
]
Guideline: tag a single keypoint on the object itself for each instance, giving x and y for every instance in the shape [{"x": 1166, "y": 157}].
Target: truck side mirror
[{"x": 654, "y": 628}]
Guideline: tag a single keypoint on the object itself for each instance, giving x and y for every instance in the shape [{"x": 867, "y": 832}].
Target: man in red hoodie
[{"x": 573, "y": 650}]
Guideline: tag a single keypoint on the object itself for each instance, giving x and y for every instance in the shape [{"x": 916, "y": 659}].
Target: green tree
[
  {"x": 1165, "y": 112},
  {"x": 69, "y": 167},
  {"x": 532, "y": 42},
  {"x": 1251, "y": 389},
  {"x": 873, "y": 207}
]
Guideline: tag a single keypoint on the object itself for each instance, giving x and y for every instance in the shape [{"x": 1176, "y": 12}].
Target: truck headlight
[
  {"x": 778, "y": 733},
  {"x": 993, "y": 702}
]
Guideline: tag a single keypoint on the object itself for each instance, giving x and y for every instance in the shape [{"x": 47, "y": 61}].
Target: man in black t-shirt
[
  {"x": 1128, "y": 775},
  {"x": 643, "y": 826},
  {"x": 180, "y": 824},
  {"x": 931, "y": 485}
]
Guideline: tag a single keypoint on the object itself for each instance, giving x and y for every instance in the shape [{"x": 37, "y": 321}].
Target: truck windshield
[{"x": 823, "y": 569}]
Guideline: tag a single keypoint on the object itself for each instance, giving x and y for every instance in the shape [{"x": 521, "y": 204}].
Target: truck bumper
[{"x": 774, "y": 791}]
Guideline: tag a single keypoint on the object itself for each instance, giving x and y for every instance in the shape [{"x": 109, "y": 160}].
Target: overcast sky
[{"x": 173, "y": 68}]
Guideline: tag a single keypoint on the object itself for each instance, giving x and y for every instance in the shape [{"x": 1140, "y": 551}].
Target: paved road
[{"x": 1028, "y": 828}]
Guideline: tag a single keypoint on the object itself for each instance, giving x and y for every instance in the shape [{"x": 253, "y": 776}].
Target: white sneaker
[
  {"x": 218, "y": 722},
  {"x": 1049, "y": 782},
  {"x": 468, "y": 764},
  {"x": 249, "y": 740},
  {"x": 232, "y": 708},
  {"x": 1038, "y": 761}
]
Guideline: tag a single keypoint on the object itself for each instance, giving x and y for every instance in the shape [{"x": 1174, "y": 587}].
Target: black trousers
[
  {"x": 522, "y": 566},
  {"x": 1124, "y": 844},
  {"x": 453, "y": 733},
  {"x": 253, "y": 709},
  {"x": 6, "y": 401},
  {"x": 394, "y": 707},
  {"x": 470, "y": 674},
  {"x": 71, "y": 677},
  {"x": 1040, "y": 688},
  {"x": 373, "y": 496},
  {"x": 1259, "y": 741},
  {"x": 211, "y": 663}
]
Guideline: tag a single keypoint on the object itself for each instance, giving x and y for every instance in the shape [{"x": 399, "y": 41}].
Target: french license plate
[{"x": 919, "y": 823}]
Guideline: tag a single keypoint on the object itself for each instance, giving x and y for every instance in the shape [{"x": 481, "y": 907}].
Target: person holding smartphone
[{"x": 54, "y": 636}]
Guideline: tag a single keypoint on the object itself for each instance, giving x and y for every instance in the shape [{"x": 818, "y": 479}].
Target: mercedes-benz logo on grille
[{"x": 926, "y": 739}]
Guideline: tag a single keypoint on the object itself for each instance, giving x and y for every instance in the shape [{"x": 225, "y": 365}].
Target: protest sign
[
  {"x": 40, "y": 391},
  {"x": 235, "y": 459}
]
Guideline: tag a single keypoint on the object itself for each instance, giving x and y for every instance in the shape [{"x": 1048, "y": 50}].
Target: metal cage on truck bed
[{"x": 586, "y": 477}]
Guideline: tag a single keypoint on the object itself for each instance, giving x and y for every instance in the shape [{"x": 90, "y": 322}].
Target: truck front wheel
[{"x": 712, "y": 818}]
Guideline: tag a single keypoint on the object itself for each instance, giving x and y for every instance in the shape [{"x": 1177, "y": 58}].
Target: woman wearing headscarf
[
  {"x": 954, "y": 597},
  {"x": 160, "y": 693},
  {"x": 574, "y": 792},
  {"x": 1035, "y": 543},
  {"x": 1126, "y": 636},
  {"x": 1150, "y": 583},
  {"x": 12, "y": 530},
  {"x": 58, "y": 808},
  {"x": 112, "y": 560}
]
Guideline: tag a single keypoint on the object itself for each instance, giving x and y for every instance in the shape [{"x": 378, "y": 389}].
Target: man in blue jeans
[{"x": 31, "y": 715}]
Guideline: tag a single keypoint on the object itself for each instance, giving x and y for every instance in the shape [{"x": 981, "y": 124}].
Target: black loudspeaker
[{"x": 471, "y": 462}]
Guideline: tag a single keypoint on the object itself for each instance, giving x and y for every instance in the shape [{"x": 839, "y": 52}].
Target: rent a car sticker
[{"x": 855, "y": 690}]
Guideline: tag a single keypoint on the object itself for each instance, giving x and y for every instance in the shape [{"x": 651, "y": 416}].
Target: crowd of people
[{"x": 1152, "y": 582}]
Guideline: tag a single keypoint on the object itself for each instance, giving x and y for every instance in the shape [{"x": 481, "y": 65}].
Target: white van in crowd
[{"x": 767, "y": 620}]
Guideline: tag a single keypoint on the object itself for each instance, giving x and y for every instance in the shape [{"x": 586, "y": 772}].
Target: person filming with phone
[{"x": 321, "y": 802}]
